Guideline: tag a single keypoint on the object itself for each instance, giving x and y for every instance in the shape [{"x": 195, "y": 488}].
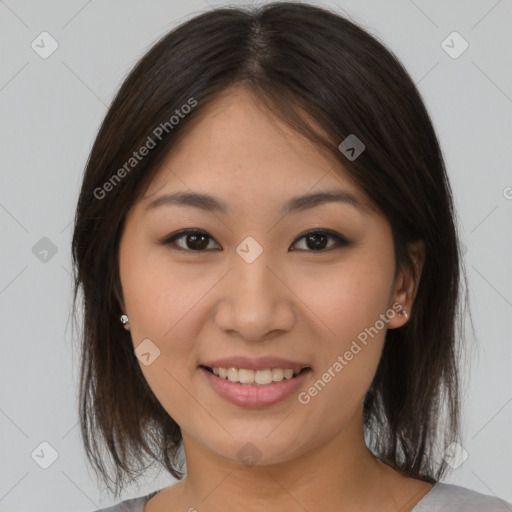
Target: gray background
[{"x": 51, "y": 110}]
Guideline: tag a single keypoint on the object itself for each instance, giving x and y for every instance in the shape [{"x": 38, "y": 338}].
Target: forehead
[{"x": 237, "y": 147}]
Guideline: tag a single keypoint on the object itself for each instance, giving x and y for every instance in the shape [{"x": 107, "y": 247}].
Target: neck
[{"x": 340, "y": 471}]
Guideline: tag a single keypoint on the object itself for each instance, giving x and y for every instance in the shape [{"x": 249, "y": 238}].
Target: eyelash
[{"x": 340, "y": 239}]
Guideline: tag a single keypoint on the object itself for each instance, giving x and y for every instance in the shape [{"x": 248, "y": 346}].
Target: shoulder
[
  {"x": 131, "y": 505},
  {"x": 453, "y": 498}
]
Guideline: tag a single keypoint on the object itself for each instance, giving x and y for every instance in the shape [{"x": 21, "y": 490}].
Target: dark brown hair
[{"x": 304, "y": 63}]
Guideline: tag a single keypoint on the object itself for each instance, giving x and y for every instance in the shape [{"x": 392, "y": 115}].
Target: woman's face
[{"x": 253, "y": 284}]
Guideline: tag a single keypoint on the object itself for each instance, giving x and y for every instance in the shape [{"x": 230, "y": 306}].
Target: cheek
[
  {"x": 349, "y": 297},
  {"x": 157, "y": 296},
  {"x": 347, "y": 362},
  {"x": 160, "y": 305},
  {"x": 347, "y": 304}
]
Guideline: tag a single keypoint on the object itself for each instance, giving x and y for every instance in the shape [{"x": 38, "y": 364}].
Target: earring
[
  {"x": 124, "y": 321},
  {"x": 403, "y": 313}
]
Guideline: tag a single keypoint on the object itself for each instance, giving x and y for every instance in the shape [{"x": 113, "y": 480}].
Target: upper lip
[{"x": 255, "y": 363}]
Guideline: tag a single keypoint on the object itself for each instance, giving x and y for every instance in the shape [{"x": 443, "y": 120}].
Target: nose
[{"x": 256, "y": 303}]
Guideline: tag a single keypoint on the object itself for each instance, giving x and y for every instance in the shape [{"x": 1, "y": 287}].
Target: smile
[{"x": 254, "y": 388}]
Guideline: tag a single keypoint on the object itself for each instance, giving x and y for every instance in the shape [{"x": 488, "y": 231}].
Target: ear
[{"x": 406, "y": 284}]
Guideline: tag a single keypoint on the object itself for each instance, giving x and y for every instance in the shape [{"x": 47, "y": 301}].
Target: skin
[{"x": 300, "y": 304}]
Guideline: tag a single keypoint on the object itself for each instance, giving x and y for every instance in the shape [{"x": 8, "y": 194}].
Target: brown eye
[
  {"x": 193, "y": 241},
  {"x": 318, "y": 240}
]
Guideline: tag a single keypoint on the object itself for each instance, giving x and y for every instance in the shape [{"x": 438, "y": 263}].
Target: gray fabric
[
  {"x": 441, "y": 498},
  {"x": 131, "y": 505},
  {"x": 453, "y": 498}
]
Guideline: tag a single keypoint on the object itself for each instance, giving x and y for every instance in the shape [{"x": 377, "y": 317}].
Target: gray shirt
[{"x": 441, "y": 498}]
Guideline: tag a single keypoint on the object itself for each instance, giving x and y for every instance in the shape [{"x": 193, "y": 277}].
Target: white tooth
[
  {"x": 233, "y": 374},
  {"x": 288, "y": 373},
  {"x": 246, "y": 376},
  {"x": 263, "y": 377},
  {"x": 277, "y": 374}
]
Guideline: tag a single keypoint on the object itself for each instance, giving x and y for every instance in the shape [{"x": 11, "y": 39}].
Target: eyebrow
[{"x": 293, "y": 205}]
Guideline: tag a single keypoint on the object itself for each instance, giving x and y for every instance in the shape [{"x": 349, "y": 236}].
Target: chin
[{"x": 260, "y": 450}]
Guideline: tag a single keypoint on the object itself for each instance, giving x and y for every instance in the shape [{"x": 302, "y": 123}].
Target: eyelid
[{"x": 340, "y": 239}]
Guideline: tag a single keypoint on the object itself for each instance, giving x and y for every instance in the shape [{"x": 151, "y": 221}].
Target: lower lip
[{"x": 254, "y": 395}]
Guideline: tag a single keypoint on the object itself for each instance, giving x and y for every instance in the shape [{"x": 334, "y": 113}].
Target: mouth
[{"x": 258, "y": 387}]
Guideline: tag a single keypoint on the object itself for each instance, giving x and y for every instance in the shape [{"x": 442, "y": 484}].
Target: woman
[{"x": 266, "y": 248}]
